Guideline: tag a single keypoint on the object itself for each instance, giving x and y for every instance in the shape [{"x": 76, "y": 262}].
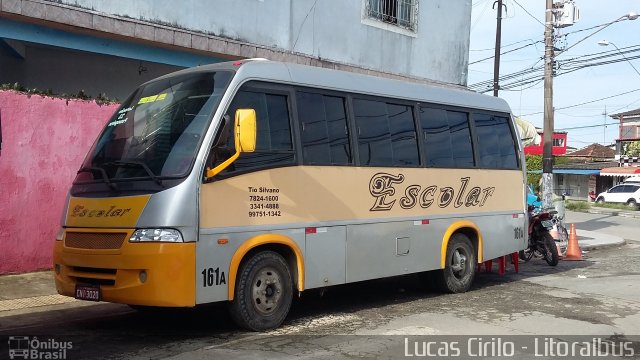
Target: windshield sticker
[
  {"x": 152, "y": 98},
  {"x": 122, "y": 117}
]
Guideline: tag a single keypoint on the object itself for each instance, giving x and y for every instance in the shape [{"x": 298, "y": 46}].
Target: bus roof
[{"x": 338, "y": 80}]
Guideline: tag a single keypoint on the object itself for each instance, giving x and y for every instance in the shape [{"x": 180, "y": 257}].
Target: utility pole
[
  {"x": 547, "y": 150},
  {"x": 496, "y": 59},
  {"x": 604, "y": 127}
]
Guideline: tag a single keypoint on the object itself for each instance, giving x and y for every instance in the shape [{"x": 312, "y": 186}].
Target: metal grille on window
[{"x": 402, "y": 13}]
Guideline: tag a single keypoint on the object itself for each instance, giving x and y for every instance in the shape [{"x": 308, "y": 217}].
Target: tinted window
[
  {"x": 158, "y": 129},
  {"x": 386, "y": 134},
  {"x": 323, "y": 128},
  {"x": 273, "y": 143},
  {"x": 447, "y": 138},
  {"x": 495, "y": 143}
]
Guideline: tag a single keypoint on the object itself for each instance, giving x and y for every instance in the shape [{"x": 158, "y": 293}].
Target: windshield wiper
[
  {"x": 130, "y": 163},
  {"x": 102, "y": 172}
]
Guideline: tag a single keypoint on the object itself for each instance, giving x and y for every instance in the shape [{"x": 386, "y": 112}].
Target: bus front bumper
[{"x": 150, "y": 274}]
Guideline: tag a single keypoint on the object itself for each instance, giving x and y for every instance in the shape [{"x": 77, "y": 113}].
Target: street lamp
[
  {"x": 607, "y": 43},
  {"x": 630, "y": 16}
]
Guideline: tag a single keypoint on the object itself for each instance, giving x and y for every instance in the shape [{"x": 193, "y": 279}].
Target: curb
[
  {"x": 611, "y": 212},
  {"x": 601, "y": 246}
]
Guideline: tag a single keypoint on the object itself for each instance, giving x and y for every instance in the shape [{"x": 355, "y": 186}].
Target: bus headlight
[
  {"x": 60, "y": 234},
  {"x": 158, "y": 235}
]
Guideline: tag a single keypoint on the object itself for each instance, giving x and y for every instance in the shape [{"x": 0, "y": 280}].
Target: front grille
[
  {"x": 93, "y": 276},
  {"x": 94, "y": 270},
  {"x": 83, "y": 240}
]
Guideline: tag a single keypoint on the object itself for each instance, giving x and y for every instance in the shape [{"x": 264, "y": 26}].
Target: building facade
[
  {"x": 112, "y": 46},
  {"x": 559, "y": 146}
]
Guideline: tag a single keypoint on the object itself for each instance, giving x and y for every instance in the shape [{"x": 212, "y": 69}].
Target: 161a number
[{"x": 212, "y": 277}]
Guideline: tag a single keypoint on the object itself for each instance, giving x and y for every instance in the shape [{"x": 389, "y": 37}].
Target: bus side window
[
  {"x": 496, "y": 146},
  {"x": 386, "y": 134},
  {"x": 274, "y": 146},
  {"x": 323, "y": 128},
  {"x": 447, "y": 138}
]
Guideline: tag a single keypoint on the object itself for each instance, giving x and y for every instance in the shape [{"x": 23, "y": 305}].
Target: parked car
[
  {"x": 627, "y": 193},
  {"x": 633, "y": 179}
]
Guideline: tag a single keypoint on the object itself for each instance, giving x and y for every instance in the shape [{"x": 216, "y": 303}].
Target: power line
[
  {"x": 586, "y": 102},
  {"x": 534, "y": 73},
  {"x": 533, "y": 17},
  {"x": 505, "y": 46},
  {"x": 506, "y": 52},
  {"x": 588, "y": 126}
]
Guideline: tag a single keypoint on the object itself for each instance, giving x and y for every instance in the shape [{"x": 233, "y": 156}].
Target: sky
[{"x": 523, "y": 27}]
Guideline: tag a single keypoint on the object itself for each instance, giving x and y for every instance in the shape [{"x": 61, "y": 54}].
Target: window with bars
[{"x": 402, "y": 13}]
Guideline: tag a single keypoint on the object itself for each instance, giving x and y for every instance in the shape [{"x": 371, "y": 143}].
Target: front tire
[
  {"x": 460, "y": 264},
  {"x": 600, "y": 200},
  {"x": 263, "y": 293},
  {"x": 551, "y": 253}
]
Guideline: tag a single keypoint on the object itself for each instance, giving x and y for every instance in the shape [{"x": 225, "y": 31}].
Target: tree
[
  {"x": 633, "y": 149},
  {"x": 534, "y": 162}
]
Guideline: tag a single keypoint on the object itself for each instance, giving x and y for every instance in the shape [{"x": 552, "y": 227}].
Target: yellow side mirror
[
  {"x": 245, "y": 126},
  {"x": 244, "y": 136}
]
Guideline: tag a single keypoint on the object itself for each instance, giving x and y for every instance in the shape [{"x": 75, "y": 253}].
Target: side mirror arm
[
  {"x": 244, "y": 134},
  {"x": 213, "y": 172}
]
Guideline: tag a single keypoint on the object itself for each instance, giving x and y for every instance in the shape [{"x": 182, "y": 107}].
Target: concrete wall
[
  {"x": 44, "y": 143},
  {"x": 329, "y": 29}
]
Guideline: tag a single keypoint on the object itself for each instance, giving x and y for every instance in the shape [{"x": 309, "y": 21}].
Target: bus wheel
[
  {"x": 263, "y": 292},
  {"x": 459, "y": 270}
]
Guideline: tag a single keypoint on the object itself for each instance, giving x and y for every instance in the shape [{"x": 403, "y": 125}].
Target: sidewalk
[
  {"x": 614, "y": 212},
  {"x": 33, "y": 292}
]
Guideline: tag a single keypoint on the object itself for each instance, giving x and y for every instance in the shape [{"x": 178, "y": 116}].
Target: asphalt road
[
  {"x": 375, "y": 319},
  {"x": 624, "y": 227}
]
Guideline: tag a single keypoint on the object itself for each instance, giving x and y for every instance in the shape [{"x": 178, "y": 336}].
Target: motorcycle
[
  {"x": 559, "y": 231},
  {"x": 541, "y": 243}
]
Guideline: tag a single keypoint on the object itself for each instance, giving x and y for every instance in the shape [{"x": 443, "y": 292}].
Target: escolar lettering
[
  {"x": 113, "y": 211},
  {"x": 382, "y": 188}
]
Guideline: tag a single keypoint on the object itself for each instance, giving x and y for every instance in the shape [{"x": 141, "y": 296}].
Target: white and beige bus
[{"x": 250, "y": 181}]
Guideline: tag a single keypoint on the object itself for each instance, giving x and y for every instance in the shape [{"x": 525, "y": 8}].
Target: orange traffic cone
[{"x": 573, "y": 249}]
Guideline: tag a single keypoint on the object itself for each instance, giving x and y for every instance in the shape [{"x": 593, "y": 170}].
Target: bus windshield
[{"x": 157, "y": 130}]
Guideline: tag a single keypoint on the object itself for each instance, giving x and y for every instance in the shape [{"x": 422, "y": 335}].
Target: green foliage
[
  {"x": 615, "y": 206},
  {"x": 633, "y": 149},
  {"x": 534, "y": 162},
  {"x": 101, "y": 99},
  {"x": 577, "y": 205},
  {"x": 561, "y": 160}
]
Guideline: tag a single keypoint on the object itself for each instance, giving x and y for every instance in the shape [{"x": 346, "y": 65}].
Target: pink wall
[{"x": 44, "y": 141}]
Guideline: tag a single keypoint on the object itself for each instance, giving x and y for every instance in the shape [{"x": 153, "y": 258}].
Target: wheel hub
[
  {"x": 266, "y": 290},
  {"x": 458, "y": 263}
]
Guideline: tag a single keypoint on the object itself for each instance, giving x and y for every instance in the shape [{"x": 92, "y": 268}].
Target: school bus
[{"x": 247, "y": 182}]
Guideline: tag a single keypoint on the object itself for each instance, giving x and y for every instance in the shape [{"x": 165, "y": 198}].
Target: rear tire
[
  {"x": 460, "y": 265},
  {"x": 263, "y": 293},
  {"x": 551, "y": 253},
  {"x": 632, "y": 204}
]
